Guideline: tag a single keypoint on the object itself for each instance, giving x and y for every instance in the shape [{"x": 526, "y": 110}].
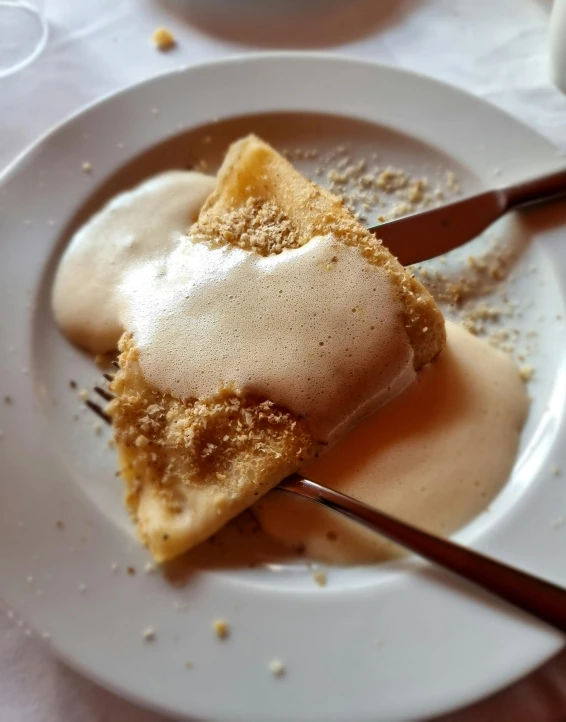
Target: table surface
[{"x": 498, "y": 50}]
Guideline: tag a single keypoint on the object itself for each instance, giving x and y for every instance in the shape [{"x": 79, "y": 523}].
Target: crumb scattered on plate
[
  {"x": 148, "y": 634},
  {"x": 150, "y": 567},
  {"x": 277, "y": 668},
  {"x": 163, "y": 39},
  {"x": 221, "y": 628},
  {"x": 527, "y": 372}
]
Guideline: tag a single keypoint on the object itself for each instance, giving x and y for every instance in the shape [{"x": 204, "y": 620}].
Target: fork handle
[
  {"x": 535, "y": 596},
  {"x": 539, "y": 189}
]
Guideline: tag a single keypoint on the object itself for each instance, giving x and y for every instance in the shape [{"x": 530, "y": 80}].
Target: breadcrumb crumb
[
  {"x": 277, "y": 668},
  {"x": 149, "y": 634},
  {"x": 526, "y": 372},
  {"x": 221, "y": 628},
  {"x": 258, "y": 226},
  {"x": 163, "y": 39}
]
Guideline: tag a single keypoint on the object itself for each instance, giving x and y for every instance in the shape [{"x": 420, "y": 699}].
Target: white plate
[{"x": 441, "y": 643}]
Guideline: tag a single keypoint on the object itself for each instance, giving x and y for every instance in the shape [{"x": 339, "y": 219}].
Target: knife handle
[{"x": 537, "y": 190}]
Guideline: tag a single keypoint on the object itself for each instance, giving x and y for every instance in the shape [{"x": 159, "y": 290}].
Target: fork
[
  {"x": 431, "y": 233},
  {"x": 538, "y": 597}
]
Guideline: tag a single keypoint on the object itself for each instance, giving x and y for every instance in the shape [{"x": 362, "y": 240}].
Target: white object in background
[
  {"x": 23, "y": 33},
  {"x": 558, "y": 44}
]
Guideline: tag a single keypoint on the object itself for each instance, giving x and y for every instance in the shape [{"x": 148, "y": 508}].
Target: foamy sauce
[
  {"x": 132, "y": 228},
  {"x": 315, "y": 329},
  {"x": 436, "y": 456}
]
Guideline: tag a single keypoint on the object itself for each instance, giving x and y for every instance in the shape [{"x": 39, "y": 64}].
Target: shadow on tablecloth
[{"x": 540, "y": 697}]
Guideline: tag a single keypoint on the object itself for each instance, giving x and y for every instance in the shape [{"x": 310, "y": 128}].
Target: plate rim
[{"x": 259, "y": 56}]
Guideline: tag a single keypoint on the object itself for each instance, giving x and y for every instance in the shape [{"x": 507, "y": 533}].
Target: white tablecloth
[{"x": 495, "y": 48}]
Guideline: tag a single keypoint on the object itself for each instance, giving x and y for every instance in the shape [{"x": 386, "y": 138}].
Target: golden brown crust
[
  {"x": 229, "y": 450},
  {"x": 254, "y": 175}
]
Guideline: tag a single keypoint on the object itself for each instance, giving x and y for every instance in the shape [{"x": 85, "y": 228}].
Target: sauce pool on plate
[
  {"x": 132, "y": 228},
  {"x": 435, "y": 456}
]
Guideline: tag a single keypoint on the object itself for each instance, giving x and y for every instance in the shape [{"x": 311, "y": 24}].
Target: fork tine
[
  {"x": 116, "y": 364},
  {"x": 105, "y": 394},
  {"x": 108, "y": 377},
  {"x": 98, "y": 411}
]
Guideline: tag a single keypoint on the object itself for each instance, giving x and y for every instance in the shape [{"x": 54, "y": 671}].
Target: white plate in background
[{"x": 391, "y": 642}]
